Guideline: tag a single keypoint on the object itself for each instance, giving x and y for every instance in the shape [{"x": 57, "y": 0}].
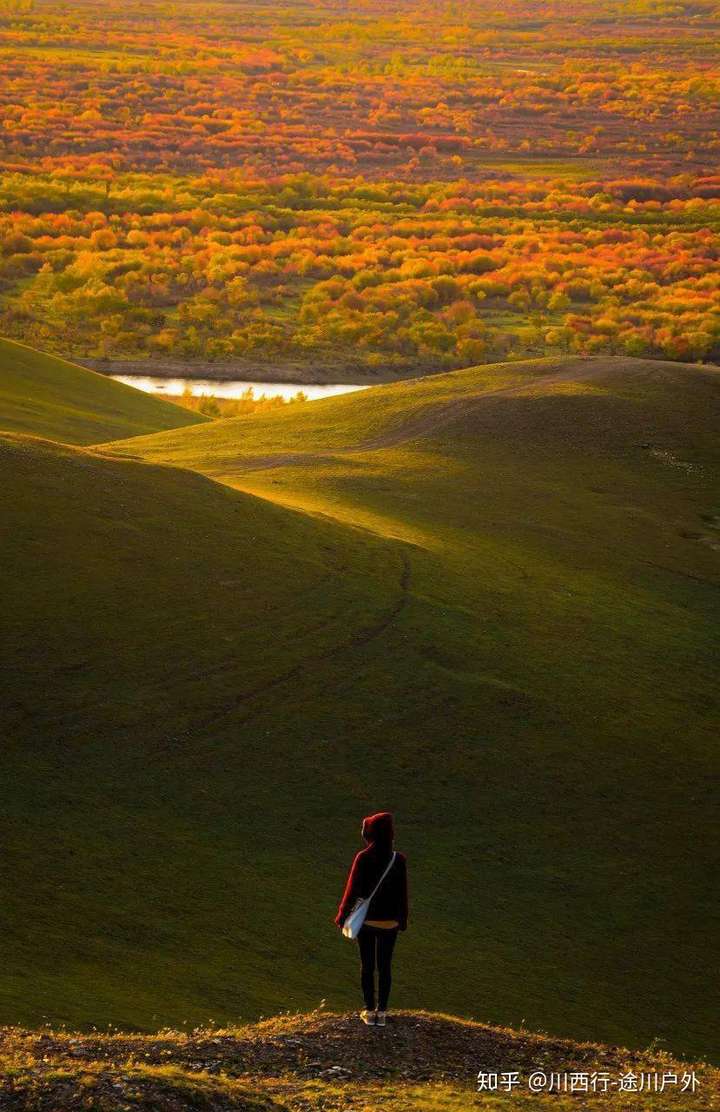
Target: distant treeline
[{"x": 248, "y": 402}]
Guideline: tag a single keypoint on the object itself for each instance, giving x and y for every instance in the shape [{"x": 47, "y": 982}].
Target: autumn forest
[{"x": 368, "y": 185}]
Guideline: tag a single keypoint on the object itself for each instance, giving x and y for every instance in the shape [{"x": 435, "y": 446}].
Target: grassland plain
[
  {"x": 487, "y": 600},
  {"x": 47, "y": 396}
]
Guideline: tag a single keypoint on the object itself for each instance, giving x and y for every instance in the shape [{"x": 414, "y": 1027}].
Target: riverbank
[{"x": 300, "y": 374}]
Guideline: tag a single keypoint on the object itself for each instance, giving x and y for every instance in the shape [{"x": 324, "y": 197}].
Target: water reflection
[{"x": 199, "y": 387}]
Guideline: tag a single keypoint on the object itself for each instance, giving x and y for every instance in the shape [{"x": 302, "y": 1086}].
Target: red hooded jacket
[{"x": 391, "y": 899}]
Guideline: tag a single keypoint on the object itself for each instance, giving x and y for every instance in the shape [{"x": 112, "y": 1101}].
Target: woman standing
[{"x": 387, "y": 913}]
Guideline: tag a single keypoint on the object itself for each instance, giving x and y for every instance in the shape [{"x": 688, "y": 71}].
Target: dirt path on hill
[{"x": 363, "y": 636}]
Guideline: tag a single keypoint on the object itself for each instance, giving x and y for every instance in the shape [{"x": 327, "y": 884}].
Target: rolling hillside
[
  {"x": 486, "y": 600},
  {"x": 43, "y": 395},
  {"x": 139, "y": 605}
]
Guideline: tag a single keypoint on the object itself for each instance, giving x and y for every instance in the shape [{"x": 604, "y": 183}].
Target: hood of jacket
[{"x": 378, "y": 829}]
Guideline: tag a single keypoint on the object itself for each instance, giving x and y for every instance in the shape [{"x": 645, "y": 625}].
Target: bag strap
[{"x": 382, "y": 878}]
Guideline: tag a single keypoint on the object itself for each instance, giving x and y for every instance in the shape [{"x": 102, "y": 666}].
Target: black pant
[{"x": 376, "y": 945}]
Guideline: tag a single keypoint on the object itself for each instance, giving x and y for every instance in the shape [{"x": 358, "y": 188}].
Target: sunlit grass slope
[
  {"x": 541, "y": 710},
  {"x": 46, "y": 396}
]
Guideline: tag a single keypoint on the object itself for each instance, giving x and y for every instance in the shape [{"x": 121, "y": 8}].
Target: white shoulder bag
[{"x": 356, "y": 918}]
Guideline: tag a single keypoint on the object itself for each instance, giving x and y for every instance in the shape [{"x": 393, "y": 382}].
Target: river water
[{"x": 174, "y": 387}]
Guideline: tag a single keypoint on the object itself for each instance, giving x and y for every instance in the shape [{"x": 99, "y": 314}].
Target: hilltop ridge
[{"x": 493, "y": 396}]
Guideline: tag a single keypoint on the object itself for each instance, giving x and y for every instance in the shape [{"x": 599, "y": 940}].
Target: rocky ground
[{"x": 324, "y": 1061}]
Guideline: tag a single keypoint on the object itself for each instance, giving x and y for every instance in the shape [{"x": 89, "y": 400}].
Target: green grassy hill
[
  {"x": 487, "y": 601},
  {"x": 45, "y": 396},
  {"x": 292, "y": 1063}
]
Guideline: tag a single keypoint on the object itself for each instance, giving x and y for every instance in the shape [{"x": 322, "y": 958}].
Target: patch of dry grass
[{"x": 322, "y": 1060}]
